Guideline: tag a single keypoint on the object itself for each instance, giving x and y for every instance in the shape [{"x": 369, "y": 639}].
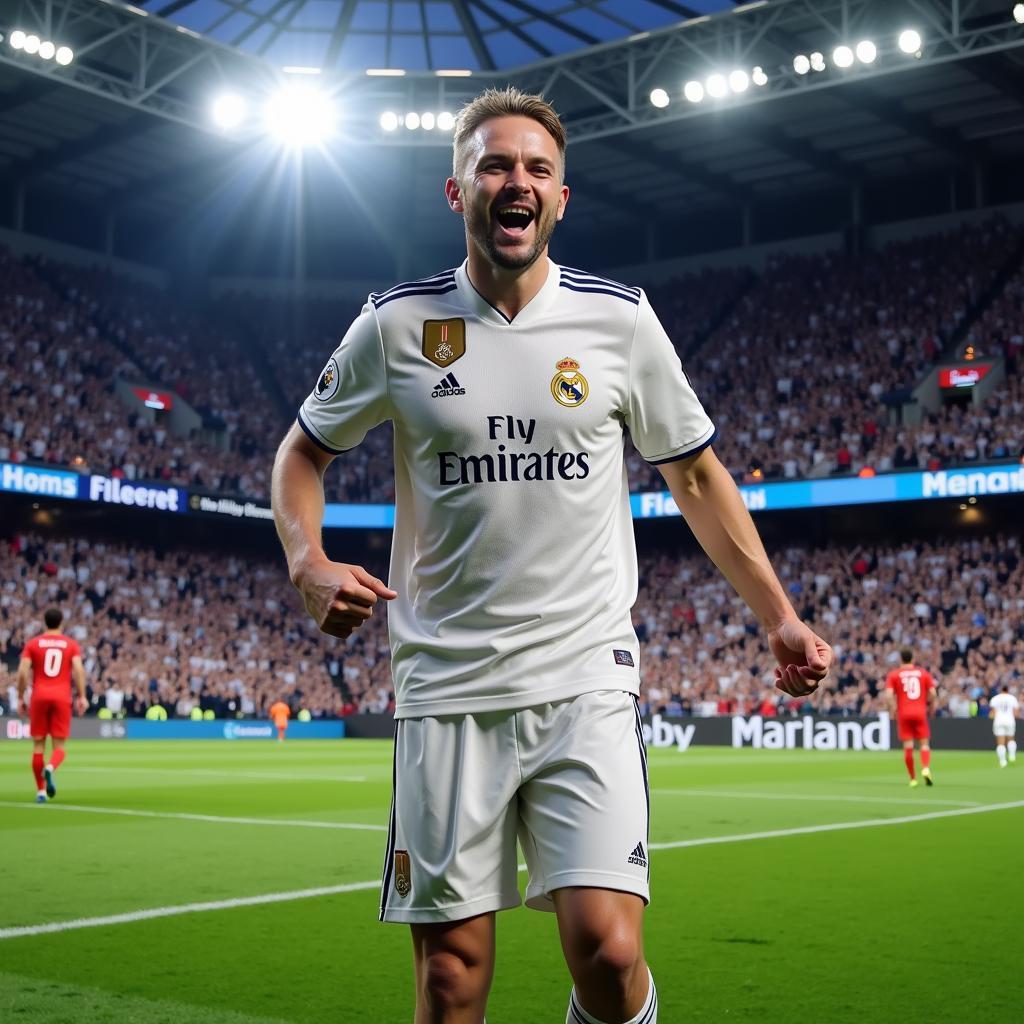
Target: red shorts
[
  {"x": 49, "y": 718},
  {"x": 913, "y": 729}
]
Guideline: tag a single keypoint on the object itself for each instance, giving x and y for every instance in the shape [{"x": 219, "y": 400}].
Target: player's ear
[
  {"x": 563, "y": 198},
  {"x": 453, "y": 194}
]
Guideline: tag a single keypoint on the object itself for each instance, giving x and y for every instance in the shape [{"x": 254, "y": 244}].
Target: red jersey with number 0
[
  {"x": 911, "y": 686},
  {"x": 51, "y": 654}
]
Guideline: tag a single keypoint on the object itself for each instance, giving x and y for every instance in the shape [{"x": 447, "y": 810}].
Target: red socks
[
  {"x": 908, "y": 757},
  {"x": 37, "y": 770},
  {"x": 926, "y": 757},
  {"x": 57, "y": 759}
]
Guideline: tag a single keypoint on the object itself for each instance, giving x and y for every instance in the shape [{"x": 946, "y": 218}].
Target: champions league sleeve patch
[
  {"x": 623, "y": 658},
  {"x": 327, "y": 384}
]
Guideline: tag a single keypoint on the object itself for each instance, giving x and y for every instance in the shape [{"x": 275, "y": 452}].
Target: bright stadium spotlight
[
  {"x": 445, "y": 121},
  {"x": 909, "y": 41},
  {"x": 17, "y": 40},
  {"x": 817, "y": 61},
  {"x": 659, "y": 98},
  {"x": 389, "y": 120},
  {"x": 427, "y": 121},
  {"x": 32, "y": 44},
  {"x": 717, "y": 86},
  {"x": 65, "y": 55},
  {"x": 866, "y": 51},
  {"x": 693, "y": 91},
  {"x": 758, "y": 77},
  {"x": 228, "y": 111},
  {"x": 801, "y": 64},
  {"x": 300, "y": 115},
  {"x": 1018, "y": 13},
  {"x": 412, "y": 121},
  {"x": 47, "y": 50},
  {"x": 842, "y": 57},
  {"x": 739, "y": 81}
]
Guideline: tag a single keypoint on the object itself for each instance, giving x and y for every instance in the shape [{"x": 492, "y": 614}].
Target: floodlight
[
  {"x": 228, "y": 111},
  {"x": 801, "y": 64},
  {"x": 842, "y": 57},
  {"x": 758, "y": 77},
  {"x": 659, "y": 98},
  {"x": 866, "y": 51},
  {"x": 817, "y": 61},
  {"x": 17, "y": 40},
  {"x": 716, "y": 86},
  {"x": 910, "y": 41},
  {"x": 65, "y": 55},
  {"x": 694, "y": 92},
  {"x": 412, "y": 121},
  {"x": 389, "y": 120},
  {"x": 47, "y": 50},
  {"x": 1018, "y": 13},
  {"x": 446, "y": 121},
  {"x": 300, "y": 115},
  {"x": 427, "y": 121},
  {"x": 739, "y": 81},
  {"x": 32, "y": 44}
]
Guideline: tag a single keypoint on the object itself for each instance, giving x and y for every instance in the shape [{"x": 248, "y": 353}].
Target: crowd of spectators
[{"x": 188, "y": 628}]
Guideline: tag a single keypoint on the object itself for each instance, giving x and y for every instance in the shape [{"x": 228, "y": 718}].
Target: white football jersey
[
  {"x": 1004, "y": 707},
  {"x": 513, "y": 551}
]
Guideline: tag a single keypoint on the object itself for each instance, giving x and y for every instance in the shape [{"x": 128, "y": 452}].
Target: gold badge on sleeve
[
  {"x": 444, "y": 341},
  {"x": 569, "y": 387}
]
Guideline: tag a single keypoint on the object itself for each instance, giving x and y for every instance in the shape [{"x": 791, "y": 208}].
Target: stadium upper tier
[
  {"x": 808, "y": 369},
  {"x": 227, "y": 632}
]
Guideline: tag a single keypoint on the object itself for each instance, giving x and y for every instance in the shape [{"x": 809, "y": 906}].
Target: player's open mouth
[{"x": 514, "y": 218}]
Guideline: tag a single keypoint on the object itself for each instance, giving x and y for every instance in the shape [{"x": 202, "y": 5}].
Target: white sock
[
  {"x": 1011, "y": 746},
  {"x": 648, "y": 1012},
  {"x": 1001, "y": 754}
]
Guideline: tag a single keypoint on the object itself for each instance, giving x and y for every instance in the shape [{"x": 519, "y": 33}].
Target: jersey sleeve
[
  {"x": 890, "y": 681},
  {"x": 663, "y": 415},
  {"x": 351, "y": 394}
]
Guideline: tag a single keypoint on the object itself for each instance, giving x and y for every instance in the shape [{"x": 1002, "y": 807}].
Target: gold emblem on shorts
[
  {"x": 569, "y": 387},
  {"x": 403, "y": 873},
  {"x": 444, "y": 341}
]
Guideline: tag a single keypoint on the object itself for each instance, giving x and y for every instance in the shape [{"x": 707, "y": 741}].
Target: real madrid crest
[{"x": 569, "y": 387}]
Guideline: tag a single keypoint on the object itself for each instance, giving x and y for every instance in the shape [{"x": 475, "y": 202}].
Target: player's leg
[
  {"x": 38, "y": 757},
  {"x": 908, "y": 759},
  {"x": 1001, "y": 751},
  {"x": 926, "y": 757},
  {"x": 1011, "y": 743},
  {"x": 39, "y": 728},
  {"x": 56, "y": 760},
  {"x": 602, "y": 938},
  {"x": 454, "y": 964}
]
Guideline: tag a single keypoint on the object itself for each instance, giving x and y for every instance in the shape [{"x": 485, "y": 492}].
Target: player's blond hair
[{"x": 507, "y": 102}]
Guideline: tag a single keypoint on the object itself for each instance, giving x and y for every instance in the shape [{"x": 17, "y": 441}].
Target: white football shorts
[
  {"x": 1004, "y": 728},
  {"x": 568, "y": 779}
]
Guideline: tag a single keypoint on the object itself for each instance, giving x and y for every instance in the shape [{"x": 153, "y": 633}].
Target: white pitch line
[
  {"x": 227, "y": 774},
  {"x": 821, "y": 797},
  {"x": 303, "y": 894},
  {"x": 214, "y": 818}
]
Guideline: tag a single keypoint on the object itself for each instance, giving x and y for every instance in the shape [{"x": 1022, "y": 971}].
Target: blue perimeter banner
[
  {"x": 233, "y": 729},
  {"x": 977, "y": 481}
]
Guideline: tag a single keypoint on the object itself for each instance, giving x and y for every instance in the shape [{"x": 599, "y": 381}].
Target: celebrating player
[
  {"x": 50, "y": 660},
  {"x": 1005, "y": 708},
  {"x": 910, "y": 694},
  {"x": 510, "y": 381}
]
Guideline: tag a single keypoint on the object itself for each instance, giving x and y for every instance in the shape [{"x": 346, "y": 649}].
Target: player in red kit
[
  {"x": 50, "y": 660},
  {"x": 910, "y": 693}
]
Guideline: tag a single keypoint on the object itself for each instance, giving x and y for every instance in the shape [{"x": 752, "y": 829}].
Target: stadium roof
[{"x": 425, "y": 35}]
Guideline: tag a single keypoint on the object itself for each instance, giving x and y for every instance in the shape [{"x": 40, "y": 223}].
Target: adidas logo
[
  {"x": 448, "y": 385},
  {"x": 638, "y": 856}
]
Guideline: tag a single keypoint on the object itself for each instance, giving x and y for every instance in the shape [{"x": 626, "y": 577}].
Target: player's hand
[
  {"x": 339, "y": 597},
  {"x": 81, "y": 706},
  {"x": 804, "y": 658}
]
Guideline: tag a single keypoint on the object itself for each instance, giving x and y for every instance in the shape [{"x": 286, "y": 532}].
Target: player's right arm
[
  {"x": 78, "y": 675},
  {"x": 339, "y": 597}
]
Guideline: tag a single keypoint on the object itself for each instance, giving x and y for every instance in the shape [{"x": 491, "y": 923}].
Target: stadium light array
[
  {"x": 412, "y": 121},
  {"x": 659, "y": 98},
  {"x": 758, "y": 77},
  {"x": 909, "y": 41},
  {"x": 1018, "y": 13},
  {"x": 817, "y": 61},
  {"x": 229, "y": 111},
  {"x": 866, "y": 51},
  {"x": 45, "y": 49},
  {"x": 693, "y": 91},
  {"x": 842, "y": 57},
  {"x": 739, "y": 81},
  {"x": 716, "y": 86},
  {"x": 300, "y": 116},
  {"x": 801, "y": 63},
  {"x": 719, "y": 85}
]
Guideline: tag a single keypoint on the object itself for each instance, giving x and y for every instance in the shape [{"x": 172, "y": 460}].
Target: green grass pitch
[{"x": 917, "y": 921}]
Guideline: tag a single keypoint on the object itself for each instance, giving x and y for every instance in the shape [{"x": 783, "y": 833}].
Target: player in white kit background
[
  {"x": 1004, "y": 708},
  {"x": 511, "y": 382}
]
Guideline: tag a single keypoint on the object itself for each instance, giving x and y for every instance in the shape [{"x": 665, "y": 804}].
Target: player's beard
[{"x": 479, "y": 227}]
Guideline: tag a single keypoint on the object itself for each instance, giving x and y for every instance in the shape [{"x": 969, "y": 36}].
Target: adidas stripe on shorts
[{"x": 568, "y": 779}]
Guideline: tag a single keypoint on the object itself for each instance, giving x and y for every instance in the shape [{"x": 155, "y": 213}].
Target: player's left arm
[
  {"x": 933, "y": 696},
  {"x": 24, "y": 677},
  {"x": 712, "y": 506},
  {"x": 78, "y": 675}
]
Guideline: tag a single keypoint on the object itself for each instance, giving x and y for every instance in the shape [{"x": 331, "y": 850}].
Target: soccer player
[
  {"x": 910, "y": 695},
  {"x": 279, "y": 714},
  {"x": 50, "y": 661},
  {"x": 510, "y": 382},
  {"x": 1005, "y": 709}
]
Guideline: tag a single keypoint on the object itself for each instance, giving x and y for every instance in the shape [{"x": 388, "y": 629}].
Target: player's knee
[
  {"x": 450, "y": 980},
  {"x": 614, "y": 954}
]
